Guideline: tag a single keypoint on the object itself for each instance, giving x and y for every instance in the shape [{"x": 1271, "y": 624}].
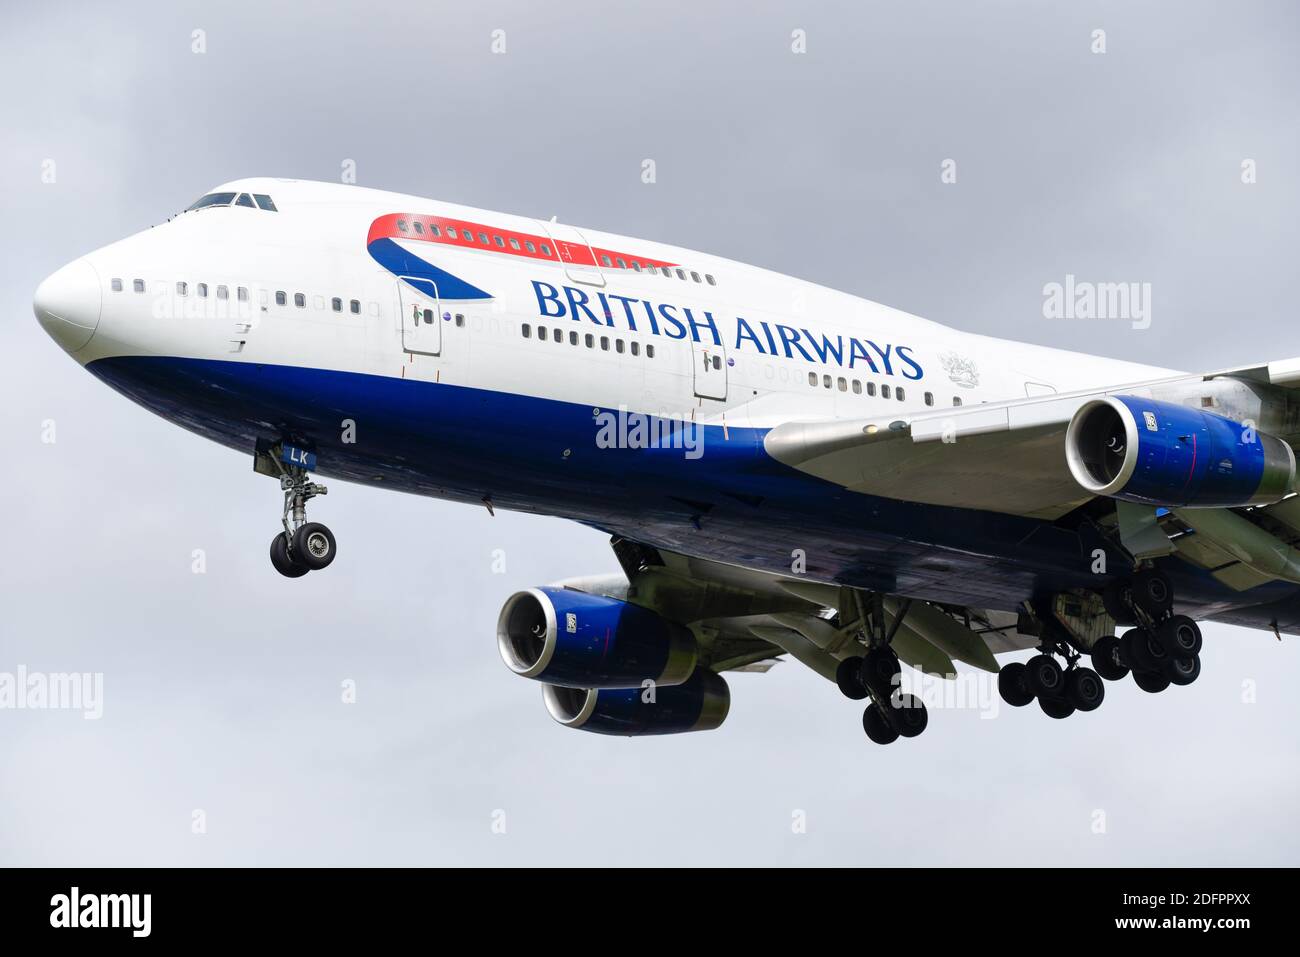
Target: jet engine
[
  {"x": 699, "y": 704},
  {"x": 1167, "y": 455},
  {"x": 566, "y": 637}
]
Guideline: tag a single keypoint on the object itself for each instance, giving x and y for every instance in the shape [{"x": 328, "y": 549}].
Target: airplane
[{"x": 783, "y": 469}]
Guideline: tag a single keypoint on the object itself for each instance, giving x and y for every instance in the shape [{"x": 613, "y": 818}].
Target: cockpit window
[
  {"x": 244, "y": 200},
  {"x": 264, "y": 202},
  {"x": 213, "y": 199}
]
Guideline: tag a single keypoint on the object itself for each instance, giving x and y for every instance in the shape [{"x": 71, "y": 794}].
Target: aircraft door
[
  {"x": 575, "y": 253},
  {"x": 710, "y": 365},
  {"x": 421, "y": 316}
]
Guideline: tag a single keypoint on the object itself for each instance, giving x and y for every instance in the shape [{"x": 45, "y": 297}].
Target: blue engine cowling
[
  {"x": 571, "y": 638},
  {"x": 1159, "y": 453},
  {"x": 701, "y": 703}
]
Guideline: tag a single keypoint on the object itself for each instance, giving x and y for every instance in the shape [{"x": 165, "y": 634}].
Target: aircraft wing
[
  {"x": 745, "y": 619},
  {"x": 1004, "y": 457}
]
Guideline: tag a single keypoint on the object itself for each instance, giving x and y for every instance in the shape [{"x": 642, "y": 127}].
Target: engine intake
[
  {"x": 567, "y": 637},
  {"x": 1159, "y": 453},
  {"x": 699, "y": 704}
]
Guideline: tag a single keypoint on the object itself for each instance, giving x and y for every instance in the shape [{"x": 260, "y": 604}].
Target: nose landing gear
[{"x": 303, "y": 546}]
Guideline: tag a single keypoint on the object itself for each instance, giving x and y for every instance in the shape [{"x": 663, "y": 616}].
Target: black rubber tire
[
  {"x": 1084, "y": 689},
  {"x": 908, "y": 714},
  {"x": 878, "y": 729},
  {"x": 314, "y": 546},
  {"x": 1141, "y": 651},
  {"x": 1012, "y": 687},
  {"x": 880, "y": 671},
  {"x": 1056, "y": 707},
  {"x": 1152, "y": 592},
  {"x": 1151, "y": 682},
  {"x": 1182, "y": 671},
  {"x": 848, "y": 675},
  {"x": 1044, "y": 677},
  {"x": 1117, "y": 598},
  {"x": 1180, "y": 637},
  {"x": 1108, "y": 659},
  {"x": 284, "y": 562}
]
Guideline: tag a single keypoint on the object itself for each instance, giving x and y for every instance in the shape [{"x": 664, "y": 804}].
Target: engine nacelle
[
  {"x": 571, "y": 638},
  {"x": 1158, "y": 453},
  {"x": 700, "y": 704}
]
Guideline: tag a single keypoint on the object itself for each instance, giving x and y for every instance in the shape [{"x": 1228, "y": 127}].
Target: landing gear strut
[
  {"x": 891, "y": 714},
  {"x": 303, "y": 546}
]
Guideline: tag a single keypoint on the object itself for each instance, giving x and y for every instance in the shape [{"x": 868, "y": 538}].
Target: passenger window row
[
  {"x": 856, "y": 385},
  {"x": 609, "y": 260},
  {"x": 202, "y": 291},
  {"x": 588, "y": 339}
]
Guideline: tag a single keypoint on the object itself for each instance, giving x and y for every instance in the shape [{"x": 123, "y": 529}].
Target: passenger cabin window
[
  {"x": 203, "y": 290},
  {"x": 242, "y": 293},
  {"x": 649, "y": 352},
  {"x": 709, "y": 279},
  {"x": 182, "y": 289},
  {"x": 929, "y": 398},
  {"x": 117, "y": 285},
  {"x": 300, "y": 300},
  {"x": 281, "y": 299},
  {"x": 223, "y": 292},
  {"x": 137, "y": 285},
  {"x": 356, "y": 307},
  {"x": 336, "y": 304}
]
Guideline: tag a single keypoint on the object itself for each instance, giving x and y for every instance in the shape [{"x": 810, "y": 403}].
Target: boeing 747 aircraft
[{"x": 783, "y": 469}]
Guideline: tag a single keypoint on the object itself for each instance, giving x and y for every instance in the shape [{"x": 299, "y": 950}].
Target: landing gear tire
[
  {"x": 1141, "y": 651},
  {"x": 313, "y": 546},
  {"x": 1180, "y": 637},
  {"x": 880, "y": 671},
  {"x": 1152, "y": 593},
  {"x": 848, "y": 675},
  {"x": 1182, "y": 671},
  {"x": 909, "y": 714},
  {"x": 1056, "y": 707},
  {"x": 1012, "y": 686},
  {"x": 1117, "y": 598},
  {"x": 286, "y": 563},
  {"x": 1084, "y": 689},
  {"x": 1151, "y": 682},
  {"x": 1043, "y": 677},
  {"x": 1108, "y": 659},
  {"x": 877, "y": 726}
]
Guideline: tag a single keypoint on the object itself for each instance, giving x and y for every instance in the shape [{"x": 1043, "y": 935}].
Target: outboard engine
[
  {"x": 1167, "y": 455},
  {"x": 571, "y": 638},
  {"x": 699, "y": 704}
]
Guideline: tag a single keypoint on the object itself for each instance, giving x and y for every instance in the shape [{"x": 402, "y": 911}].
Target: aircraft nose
[{"x": 67, "y": 304}]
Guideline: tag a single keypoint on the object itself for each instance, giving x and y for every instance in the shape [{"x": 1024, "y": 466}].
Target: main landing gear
[
  {"x": 1059, "y": 691},
  {"x": 303, "y": 546},
  {"x": 891, "y": 713},
  {"x": 1162, "y": 649}
]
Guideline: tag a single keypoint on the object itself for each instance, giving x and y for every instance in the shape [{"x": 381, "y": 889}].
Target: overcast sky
[{"x": 222, "y": 690}]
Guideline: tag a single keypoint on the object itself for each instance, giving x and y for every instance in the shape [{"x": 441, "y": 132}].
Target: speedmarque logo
[{"x": 102, "y": 910}]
